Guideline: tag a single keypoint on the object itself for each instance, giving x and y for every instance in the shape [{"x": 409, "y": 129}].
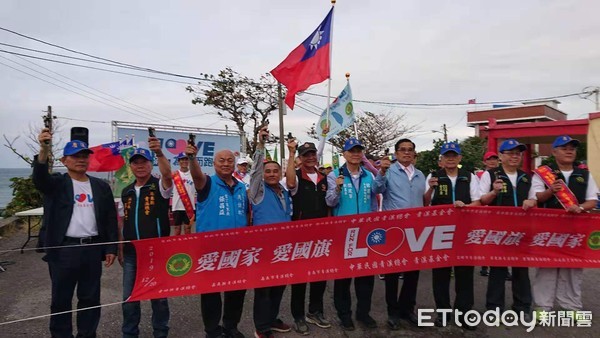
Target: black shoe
[
  {"x": 232, "y": 333},
  {"x": 393, "y": 324},
  {"x": 484, "y": 272},
  {"x": 347, "y": 324},
  {"x": 412, "y": 318},
  {"x": 367, "y": 321}
]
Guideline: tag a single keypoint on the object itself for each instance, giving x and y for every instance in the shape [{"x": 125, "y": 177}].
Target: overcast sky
[{"x": 397, "y": 51}]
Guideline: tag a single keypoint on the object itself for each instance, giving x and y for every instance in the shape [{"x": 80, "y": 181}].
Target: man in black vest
[
  {"x": 507, "y": 185},
  {"x": 145, "y": 215},
  {"x": 562, "y": 284},
  {"x": 79, "y": 212},
  {"x": 458, "y": 187},
  {"x": 308, "y": 188}
]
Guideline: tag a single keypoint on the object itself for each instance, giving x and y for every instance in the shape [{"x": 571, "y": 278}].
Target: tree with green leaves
[
  {"x": 377, "y": 132},
  {"x": 245, "y": 101},
  {"x": 25, "y": 196}
]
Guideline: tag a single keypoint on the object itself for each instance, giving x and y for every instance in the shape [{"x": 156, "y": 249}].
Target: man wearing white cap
[
  {"x": 184, "y": 196},
  {"x": 241, "y": 174}
]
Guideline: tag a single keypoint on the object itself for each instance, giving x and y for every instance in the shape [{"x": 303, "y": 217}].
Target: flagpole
[
  {"x": 355, "y": 129},
  {"x": 330, "y": 58}
]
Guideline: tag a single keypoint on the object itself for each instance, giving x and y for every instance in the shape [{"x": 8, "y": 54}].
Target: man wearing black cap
[
  {"x": 349, "y": 192},
  {"x": 146, "y": 215},
  {"x": 78, "y": 210},
  {"x": 308, "y": 188},
  {"x": 507, "y": 185},
  {"x": 562, "y": 284}
]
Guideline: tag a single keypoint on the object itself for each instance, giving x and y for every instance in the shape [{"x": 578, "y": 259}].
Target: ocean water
[{"x": 6, "y": 192}]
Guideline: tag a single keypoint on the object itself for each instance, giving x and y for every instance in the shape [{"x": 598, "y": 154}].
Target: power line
[
  {"x": 95, "y": 68},
  {"x": 104, "y": 93},
  {"x": 69, "y": 90},
  {"x": 138, "y": 68},
  {"x": 84, "y": 90},
  {"x": 104, "y": 59},
  {"x": 452, "y": 104}
]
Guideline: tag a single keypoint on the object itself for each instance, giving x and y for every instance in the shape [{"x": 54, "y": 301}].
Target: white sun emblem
[
  {"x": 316, "y": 39},
  {"x": 376, "y": 237}
]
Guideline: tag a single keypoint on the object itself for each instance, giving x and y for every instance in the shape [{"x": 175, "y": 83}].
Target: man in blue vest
[
  {"x": 145, "y": 215},
  {"x": 458, "y": 187},
  {"x": 222, "y": 204},
  {"x": 562, "y": 284},
  {"x": 507, "y": 185},
  {"x": 402, "y": 186},
  {"x": 271, "y": 203},
  {"x": 349, "y": 192}
]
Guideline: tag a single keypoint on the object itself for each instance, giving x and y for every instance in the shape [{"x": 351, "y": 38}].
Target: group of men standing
[{"x": 79, "y": 210}]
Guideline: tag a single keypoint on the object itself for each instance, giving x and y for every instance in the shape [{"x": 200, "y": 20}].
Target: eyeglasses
[{"x": 405, "y": 150}]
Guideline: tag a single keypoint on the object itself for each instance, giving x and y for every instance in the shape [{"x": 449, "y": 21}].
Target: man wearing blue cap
[
  {"x": 184, "y": 196},
  {"x": 562, "y": 284},
  {"x": 79, "y": 210},
  {"x": 349, "y": 192},
  {"x": 507, "y": 185},
  {"x": 145, "y": 215},
  {"x": 458, "y": 187}
]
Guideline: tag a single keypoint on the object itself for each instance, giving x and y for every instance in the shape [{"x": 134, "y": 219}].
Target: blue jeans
[{"x": 131, "y": 310}]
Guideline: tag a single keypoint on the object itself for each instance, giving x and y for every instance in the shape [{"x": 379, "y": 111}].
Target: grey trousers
[{"x": 560, "y": 284}]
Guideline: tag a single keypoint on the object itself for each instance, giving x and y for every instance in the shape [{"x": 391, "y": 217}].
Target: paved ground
[{"x": 25, "y": 292}]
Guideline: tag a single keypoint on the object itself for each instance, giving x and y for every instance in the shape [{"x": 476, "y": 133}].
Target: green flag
[
  {"x": 123, "y": 176},
  {"x": 267, "y": 155},
  {"x": 275, "y": 155},
  {"x": 335, "y": 160}
]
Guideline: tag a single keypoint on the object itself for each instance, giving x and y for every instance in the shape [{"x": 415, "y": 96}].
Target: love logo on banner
[{"x": 366, "y": 244}]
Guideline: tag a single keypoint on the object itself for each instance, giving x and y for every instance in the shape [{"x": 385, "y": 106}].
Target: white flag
[{"x": 341, "y": 115}]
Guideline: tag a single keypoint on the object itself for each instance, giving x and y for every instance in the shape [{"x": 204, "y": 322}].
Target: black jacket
[
  {"x": 309, "y": 200},
  {"x": 152, "y": 218},
  {"x": 445, "y": 193},
  {"x": 58, "y": 208}
]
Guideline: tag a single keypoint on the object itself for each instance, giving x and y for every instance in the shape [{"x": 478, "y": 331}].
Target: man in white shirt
[
  {"x": 458, "y": 187},
  {"x": 241, "y": 174},
  {"x": 507, "y": 185},
  {"x": 183, "y": 212},
  {"x": 79, "y": 213},
  {"x": 562, "y": 284}
]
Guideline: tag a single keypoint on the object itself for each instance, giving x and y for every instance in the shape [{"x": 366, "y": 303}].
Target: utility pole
[
  {"x": 49, "y": 123},
  {"x": 445, "y": 133},
  {"x": 281, "y": 140}
]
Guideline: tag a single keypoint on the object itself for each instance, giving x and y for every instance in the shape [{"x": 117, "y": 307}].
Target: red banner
[{"x": 366, "y": 244}]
